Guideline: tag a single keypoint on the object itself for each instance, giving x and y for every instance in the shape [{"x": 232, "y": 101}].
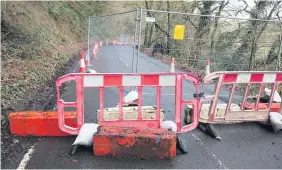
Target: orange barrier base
[
  {"x": 133, "y": 142},
  {"x": 39, "y": 123},
  {"x": 275, "y": 107}
]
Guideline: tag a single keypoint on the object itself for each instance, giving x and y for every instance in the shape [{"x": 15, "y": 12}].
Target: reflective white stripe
[
  {"x": 243, "y": 78},
  {"x": 131, "y": 80},
  {"x": 167, "y": 80},
  {"x": 82, "y": 63},
  {"x": 94, "y": 81},
  {"x": 269, "y": 78}
]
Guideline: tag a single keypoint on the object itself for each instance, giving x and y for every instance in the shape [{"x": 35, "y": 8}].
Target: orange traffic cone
[
  {"x": 208, "y": 69},
  {"x": 172, "y": 69},
  {"x": 94, "y": 53},
  {"x": 82, "y": 68},
  {"x": 87, "y": 61}
]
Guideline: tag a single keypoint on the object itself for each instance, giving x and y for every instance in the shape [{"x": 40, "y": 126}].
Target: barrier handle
[
  {"x": 196, "y": 105},
  {"x": 195, "y": 120},
  {"x": 61, "y": 104},
  {"x": 61, "y": 120}
]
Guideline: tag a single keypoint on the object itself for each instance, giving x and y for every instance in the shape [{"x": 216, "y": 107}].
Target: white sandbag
[
  {"x": 276, "y": 121},
  {"x": 91, "y": 71},
  {"x": 276, "y": 97},
  {"x": 85, "y": 135},
  {"x": 130, "y": 97},
  {"x": 167, "y": 124}
]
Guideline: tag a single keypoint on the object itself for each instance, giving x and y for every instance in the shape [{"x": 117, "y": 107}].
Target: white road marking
[
  {"x": 209, "y": 152},
  {"x": 26, "y": 158},
  {"x": 123, "y": 61}
]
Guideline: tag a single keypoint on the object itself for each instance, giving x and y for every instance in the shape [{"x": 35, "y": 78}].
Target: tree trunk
[
  {"x": 151, "y": 35},
  {"x": 202, "y": 29},
  {"x": 254, "y": 43},
  {"x": 222, "y": 5},
  {"x": 146, "y": 35}
]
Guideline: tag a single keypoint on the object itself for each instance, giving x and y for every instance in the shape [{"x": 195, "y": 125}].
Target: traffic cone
[
  {"x": 172, "y": 69},
  {"x": 208, "y": 69},
  {"x": 82, "y": 68},
  {"x": 87, "y": 61},
  {"x": 100, "y": 44},
  {"x": 94, "y": 53}
]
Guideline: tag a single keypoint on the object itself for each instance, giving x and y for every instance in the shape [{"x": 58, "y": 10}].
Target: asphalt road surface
[{"x": 242, "y": 146}]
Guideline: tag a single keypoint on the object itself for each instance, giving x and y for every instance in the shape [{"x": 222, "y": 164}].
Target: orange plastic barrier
[
  {"x": 39, "y": 123},
  {"x": 146, "y": 144}
]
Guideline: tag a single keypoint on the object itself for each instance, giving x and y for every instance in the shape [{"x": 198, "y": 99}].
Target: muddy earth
[{"x": 14, "y": 147}]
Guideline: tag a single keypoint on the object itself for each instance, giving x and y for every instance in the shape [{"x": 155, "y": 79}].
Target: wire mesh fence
[
  {"x": 229, "y": 43},
  {"x": 119, "y": 27}
]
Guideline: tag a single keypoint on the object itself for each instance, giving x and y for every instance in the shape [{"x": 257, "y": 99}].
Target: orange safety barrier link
[
  {"x": 120, "y": 141},
  {"x": 39, "y": 123}
]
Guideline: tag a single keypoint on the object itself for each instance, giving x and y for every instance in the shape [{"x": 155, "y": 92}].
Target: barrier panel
[
  {"x": 243, "y": 111},
  {"x": 101, "y": 81}
]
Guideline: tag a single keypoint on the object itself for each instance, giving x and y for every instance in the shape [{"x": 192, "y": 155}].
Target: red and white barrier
[
  {"x": 245, "y": 77},
  {"x": 100, "y": 80},
  {"x": 128, "y": 80}
]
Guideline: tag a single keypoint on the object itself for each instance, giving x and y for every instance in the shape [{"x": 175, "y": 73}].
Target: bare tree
[
  {"x": 221, "y": 7},
  {"x": 202, "y": 29}
]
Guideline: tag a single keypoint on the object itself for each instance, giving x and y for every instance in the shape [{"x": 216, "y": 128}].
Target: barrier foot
[
  {"x": 73, "y": 150},
  {"x": 209, "y": 129},
  {"x": 181, "y": 144}
]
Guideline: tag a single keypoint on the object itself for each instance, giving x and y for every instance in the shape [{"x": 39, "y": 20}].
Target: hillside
[{"x": 40, "y": 41}]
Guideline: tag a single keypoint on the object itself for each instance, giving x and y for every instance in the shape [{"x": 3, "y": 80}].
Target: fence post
[
  {"x": 88, "y": 38},
  {"x": 139, "y": 39},
  {"x": 134, "y": 43},
  {"x": 277, "y": 68}
]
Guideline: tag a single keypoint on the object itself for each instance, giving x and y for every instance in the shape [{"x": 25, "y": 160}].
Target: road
[{"x": 243, "y": 145}]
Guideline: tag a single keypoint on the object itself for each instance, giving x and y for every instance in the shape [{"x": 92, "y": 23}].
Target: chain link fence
[
  {"x": 115, "y": 28},
  {"x": 119, "y": 27},
  {"x": 230, "y": 44}
]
